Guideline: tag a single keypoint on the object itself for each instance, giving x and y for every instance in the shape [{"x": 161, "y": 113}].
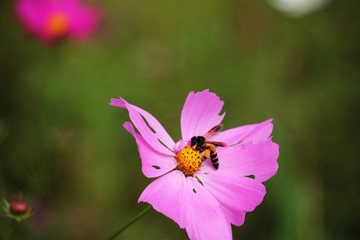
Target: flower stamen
[
  {"x": 189, "y": 160},
  {"x": 58, "y": 24}
]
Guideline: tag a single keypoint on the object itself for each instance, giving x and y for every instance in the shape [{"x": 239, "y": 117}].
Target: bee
[{"x": 200, "y": 143}]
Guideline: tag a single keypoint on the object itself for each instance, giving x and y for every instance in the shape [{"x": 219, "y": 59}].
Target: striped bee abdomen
[{"x": 214, "y": 160}]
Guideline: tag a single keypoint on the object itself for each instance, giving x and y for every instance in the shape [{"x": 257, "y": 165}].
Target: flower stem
[
  {"x": 12, "y": 230},
  {"x": 131, "y": 222}
]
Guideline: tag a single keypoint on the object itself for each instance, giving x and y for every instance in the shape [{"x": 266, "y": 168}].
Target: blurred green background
[{"x": 63, "y": 147}]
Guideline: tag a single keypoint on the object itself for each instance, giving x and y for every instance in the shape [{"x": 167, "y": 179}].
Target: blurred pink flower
[
  {"x": 52, "y": 19},
  {"x": 195, "y": 195}
]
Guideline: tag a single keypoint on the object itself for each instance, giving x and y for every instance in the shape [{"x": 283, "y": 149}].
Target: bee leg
[{"x": 207, "y": 153}]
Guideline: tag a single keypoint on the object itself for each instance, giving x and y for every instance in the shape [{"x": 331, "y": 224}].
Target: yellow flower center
[
  {"x": 189, "y": 160},
  {"x": 58, "y": 24}
]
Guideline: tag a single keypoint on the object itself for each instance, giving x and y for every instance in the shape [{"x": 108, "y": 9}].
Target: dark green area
[{"x": 63, "y": 147}]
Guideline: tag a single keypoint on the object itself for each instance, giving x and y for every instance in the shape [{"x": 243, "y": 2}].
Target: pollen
[
  {"x": 189, "y": 160},
  {"x": 58, "y": 24}
]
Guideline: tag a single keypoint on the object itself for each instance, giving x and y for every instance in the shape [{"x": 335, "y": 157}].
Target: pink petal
[
  {"x": 167, "y": 195},
  {"x": 28, "y": 13},
  {"x": 84, "y": 20},
  {"x": 236, "y": 218},
  {"x": 153, "y": 163},
  {"x": 157, "y": 136},
  {"x": 245, "y": 134},
  {"x": 258, "y": 159},
  {"x": 237, "y": 194},
  {"x": 200, "y": 113},
  {"x": 189, "y": 204},
  {"x": 206, "y": 220}
]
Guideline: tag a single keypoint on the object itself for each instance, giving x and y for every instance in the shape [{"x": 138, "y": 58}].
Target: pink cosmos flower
[
  {"x": 203, "y": 200},
  {"x": 52, "y": 19}
]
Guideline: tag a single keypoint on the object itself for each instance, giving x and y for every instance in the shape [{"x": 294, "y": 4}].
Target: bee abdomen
[{"x": 214, "y": 160}]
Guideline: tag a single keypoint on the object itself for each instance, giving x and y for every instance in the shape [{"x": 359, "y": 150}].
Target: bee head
[
  {"x": 193, "y": 141},
  {"x": 200, "y": 140},
  {"x": 197, "y": 141}
]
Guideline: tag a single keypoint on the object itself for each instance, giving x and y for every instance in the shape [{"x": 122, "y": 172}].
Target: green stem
[
  {"x": 131, "y": 222},
  {"x": 12, "y": 230}
]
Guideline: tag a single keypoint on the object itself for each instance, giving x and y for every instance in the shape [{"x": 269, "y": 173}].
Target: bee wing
[
  {"x": 214, "y": 130},
  {"x": 219, "y": 144}
]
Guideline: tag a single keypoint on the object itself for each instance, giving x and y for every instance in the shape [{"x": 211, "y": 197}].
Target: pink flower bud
[{"x": 19, "y": 207}]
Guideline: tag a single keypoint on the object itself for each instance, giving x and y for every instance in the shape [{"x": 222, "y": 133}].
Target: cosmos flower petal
[
  {"x": 236, "y": 218},
  {"x": 235, "y": 193},
  {"x": 153, "y": 163},
  {"x": 85, "y": 20},
  {"x": 168, "y": 195},
  {"x": 200, "y": 113},
  {"x": 189, "y": 204},
  {"x": 258, "y": 159},
  {"x": 245, "y": 134},
  {"x": 206, "y": 220},
  {"x": 156, "y": 136},
  {"x": 27, "y": 12}
]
